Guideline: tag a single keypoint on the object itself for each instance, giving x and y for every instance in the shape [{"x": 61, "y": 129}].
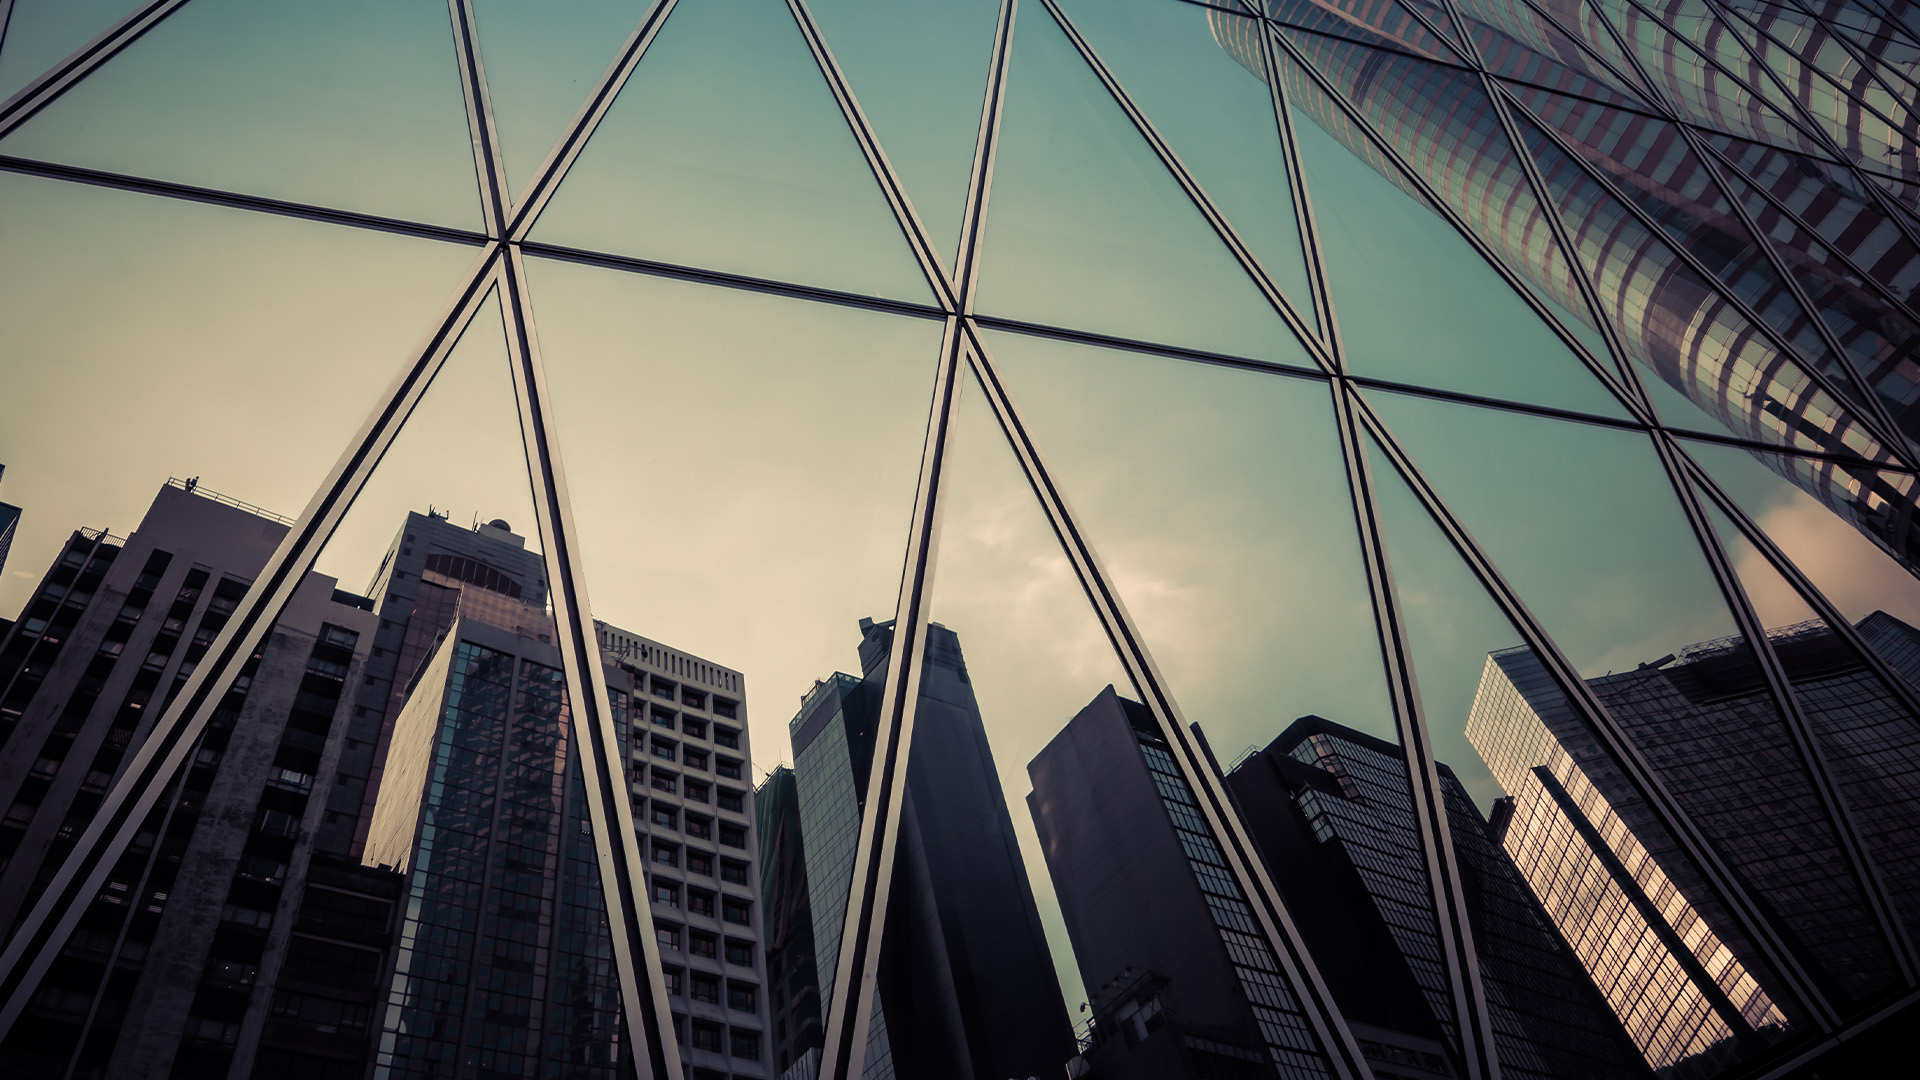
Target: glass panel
[
  {"x": 1868, "y": 736},
  {"x": 41, "y": 33},
  {"x": 1838, "y": 523},
  {"x": 1384, "y": 25},
  {"x": 543, "y": 61},
  {"x": 148, "y": 336},
  {"x": 1517, "y": 43},
  {"x": 1655, "y": 969},
  {"x": 1106, "y": 889},
  {"x": 785, "y": 194},
  {"x": 354, "y": 105},
  {"x": 1416, "y": 302},
  {"x": 1608, "y": 564},
  {"x": 1187, "y": 69},
  {"x": 1087, "y": 229},
  {"x": 919, "y": 70}
]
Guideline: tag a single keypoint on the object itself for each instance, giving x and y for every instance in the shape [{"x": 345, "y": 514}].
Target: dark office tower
[
  {"x": 428, "y": 551},
  {"x": 505, "y": 965},
  {"x": 793, "y": 984},
  {"x": 166, "y": 974},
  {"x": 966, "y": 985},
  {"x": 9, "y": 523},
  {"x": 1330, "y": 811},
  {"x": 1732, "y": 252},
  {"x": 1577, "y": 832}
]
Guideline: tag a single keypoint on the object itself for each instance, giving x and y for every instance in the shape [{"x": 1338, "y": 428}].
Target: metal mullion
[
  {"x": 60, "y": 78},
  {"x": 1314, "y": 253},
  {"x": 1873, "y": 67},
  {"x": 966, "y": 274},
  {"x": 1250, "y": 873},
  {"x": 890, "y": 185},
  {"x": 1873, "y": 402},
  {"x": 1452, "y": 923},
  {"x": 595, "y": 739},
  {"x": 1308, "y": 335},
  {"x": 849, "y": 1010},
  {"x": 32, "y": 947},
  {"x": 546, "y": 179},
  {"x": 1598, "y": 369},
  {"x": 1869, "y": 421},
  {"x": 1722, "y": 439},
  {"x": 1729, "y": 16},
  {"x": 1752, "y": 921},
  {"x": 1637, "y": 82},
  {"x": 1813, "y": 760},
  {"x": 6, "y": 20},
  {"x": 1139, "y": 345},
  {"x": 1801, "y": 583},
  {"x": 486, "y": 141}
]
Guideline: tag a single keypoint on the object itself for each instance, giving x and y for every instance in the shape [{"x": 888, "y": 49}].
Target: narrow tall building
[
  {"x": 793, "y": 985},
  {"x": 171, "y": 968},
  {"x": 966, "y": 983},
  {"x": 506, "y": 965}
]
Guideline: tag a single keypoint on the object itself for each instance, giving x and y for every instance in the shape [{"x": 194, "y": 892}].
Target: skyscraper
[
  {"x": 505, "y": 963},
  {"x": 1611, "y": 883},
  {"x": 9, "y": 524},
  {"x": 967, "y": 987},
  {"x": 793, "y": 982},
  {"x": 172, "y": 970}
]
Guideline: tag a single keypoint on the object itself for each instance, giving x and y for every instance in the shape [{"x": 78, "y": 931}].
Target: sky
[{"x": 743, "y": 465}]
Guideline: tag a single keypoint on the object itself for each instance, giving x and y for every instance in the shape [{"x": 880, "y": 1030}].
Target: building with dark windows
[
  {"x": 786, "y": 913},
  {"x": 9, "y": 524},
  {"x": 174, "y": 967},
  {"x": 966, "y": 986},
  {"x": 505, "y": 964},
  {"x": 1152, "y": 918},
  {"x": 1608, "y": 878}
]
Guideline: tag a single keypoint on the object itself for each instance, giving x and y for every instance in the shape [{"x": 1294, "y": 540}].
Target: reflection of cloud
[{"x": 1857, "y": 576}]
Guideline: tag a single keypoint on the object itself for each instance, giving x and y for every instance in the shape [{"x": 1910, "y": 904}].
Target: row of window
[
  {"x": 705, "y": 987},
  {"x": 729, "y": 799},
  {"x": 696, "y": 758},
  {"x": 694, "y": 728},
  {"x": 743, "y": 1043},
  {"x": 670, "y": 937},
  {"x": 701, "y": 902}
]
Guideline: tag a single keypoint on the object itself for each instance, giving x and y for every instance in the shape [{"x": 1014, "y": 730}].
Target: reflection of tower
[
  {"x": 966, "y": 984},
  {"x": 1850, "y": 260},
  {"x": 1603, "y": 870}
]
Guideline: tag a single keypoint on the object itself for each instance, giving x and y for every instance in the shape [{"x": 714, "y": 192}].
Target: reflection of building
[
  {"x": 1331, "y": 813},
  {"x": 506, "y": 964},
  {"x": 1846, "y": 256},
  {"x": 224, "y": 929},
  {"x": 793, "y": 985},
  {"x": 966, "y": 984},
  {"x": 1704, "y": 722}
]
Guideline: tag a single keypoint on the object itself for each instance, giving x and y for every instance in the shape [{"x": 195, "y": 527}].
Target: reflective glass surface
[{"x": 41, "y": 33}]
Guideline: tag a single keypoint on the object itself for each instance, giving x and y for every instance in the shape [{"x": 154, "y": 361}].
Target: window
[
  {"x": 696, "y": 790},
  {"x": 708, "y": 946},
  {"x": 706, "y": 1036},
  {"x": 699, "y": 862},
  {"x": 673, "y": 977},
  {"x": 728, "y": 768},
  {"x": 735, "y": 801},
  {"x": 695, "y": 729},
  {"x": 699, "y": 826},
  {"x": 741, "y": 996},
  {"x": 663, "y": 750},
  {"x": 733, "y": 871},
  {"x": 726, "y": 736},
  {"x": 666, "y": 893},
  {"x": 666, "y": 854},
  {"x": 706, "y": 988},
  {"x": 737, "y": 911},
  {"x": 746, "y": 1044},
  {"x": 726, "y": 708},
  {"x": 665, "y": 816},
  {"x": 695, "y": 759},
  {"x": 739, "y": 952},
  {"x": 693, "y": 698},
  {"x": 663, "y": 689},
  {"x": 663, "y": 717},
  {"x": 733, "y": 835},
  {"x": 700, "y": 903},
  {"x": 664, "y": 781},
  {"x": 668, "y": 937}
]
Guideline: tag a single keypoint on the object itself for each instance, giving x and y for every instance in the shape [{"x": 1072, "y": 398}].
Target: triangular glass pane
[
  {"x": 919, "y": 70},
  {"x": 1386, "y": 26},
  {"x": 1197, "y": 74},
  {"x": 1865, "y": 731},
  {"x": 1111, "y": 862},
  {"x": 1654, "y": 166},
  {"x": 40, "y": 33},
  {"x": 785, "y": 194},
  {"x": 543, "y": 62},
  {"x": 1848, "y": 528},
  {"x": 1437, "y": 16},
  {"x": 1702, "y": 361},
  {"x": 1416, "y": 302},
  {"x": 1605, "y": 560},
  {"x": 1087, "y": 229},
  {"x": 221, "y": 387},
  {"x": 1549, "y": 59},
  {"x": 1643, "y": 933},
  {"x": 356, "y": 106},
  {"x": 1581, "y": 19}
]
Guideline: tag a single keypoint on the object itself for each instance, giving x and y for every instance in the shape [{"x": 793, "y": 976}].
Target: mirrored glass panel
[{"x": 40, "y": 33}]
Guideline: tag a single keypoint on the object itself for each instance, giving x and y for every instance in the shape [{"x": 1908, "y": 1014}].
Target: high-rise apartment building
[
  {"x": 1331, "y": 813},
  {"x": 967, "y": 986},
  {"x": 1610, "y": 881},
  {"x": 793, "y": 983},
  {"x": 505, "y": 964},
  {"x": 174, "y": 967}
]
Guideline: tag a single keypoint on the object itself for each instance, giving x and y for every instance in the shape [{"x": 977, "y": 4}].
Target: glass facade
[{"x": 1526, "y": 385}]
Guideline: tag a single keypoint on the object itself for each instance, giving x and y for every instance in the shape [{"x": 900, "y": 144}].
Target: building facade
[
  {"x": 967, "y": 986},
  {"x": 793, "y": 982}
]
